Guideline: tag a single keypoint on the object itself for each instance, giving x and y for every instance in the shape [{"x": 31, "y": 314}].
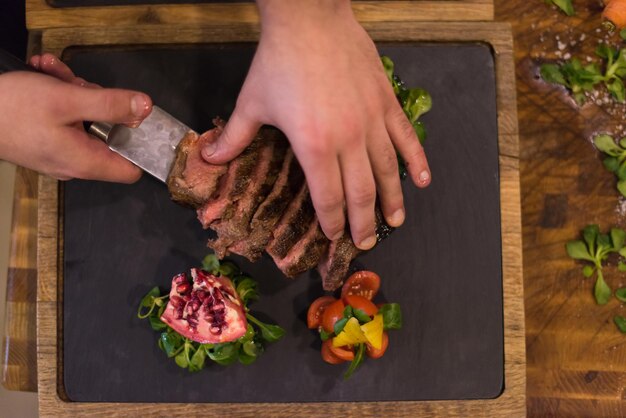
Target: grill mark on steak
[
  {"x": 288, "y": 182},
  {"x": 335, "y": 264},
  {"x": 293, "y": 225},
  {"x": 272, "y": 149},
  {"x": 306, "y": 253},
  {"x": 231, "y": 187},
  {"x": 192, "y": 180}
]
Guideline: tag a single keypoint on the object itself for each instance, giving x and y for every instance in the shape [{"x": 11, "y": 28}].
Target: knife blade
[{"x": 151, "y": 146}]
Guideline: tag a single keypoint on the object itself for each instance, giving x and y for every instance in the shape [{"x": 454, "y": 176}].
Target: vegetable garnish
[
  {"x": 565, "y": 5},
  {"x": 353, "y": 326},
  {"x": 595, "y": 248},
  {"x": 414, "y": 101},
  {"x": 614, "y": 14},
  {"x": 580, "y": 79},
  {"x": 214, "y": 299},
  {"x": 615, "y": 161}
]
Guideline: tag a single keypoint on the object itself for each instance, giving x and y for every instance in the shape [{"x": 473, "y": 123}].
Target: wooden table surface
[{"x": 576, "y": 359}]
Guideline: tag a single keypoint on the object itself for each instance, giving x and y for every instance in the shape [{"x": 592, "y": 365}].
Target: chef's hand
[
  {"x": 41, "y": 123},
  {"x": 317, "y": 76}
]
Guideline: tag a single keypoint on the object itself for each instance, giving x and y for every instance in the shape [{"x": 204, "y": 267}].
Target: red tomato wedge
[
  {"x": 374, "y": 352},
  {"x": 362, "y": 283},
  {"x": 344, "y": 353},
  {"x": 314, "y": 315},
  {"x": 359, "y": 302},
  {"x": 328, "y": 355},
  {"x": 332, "y": 314}
]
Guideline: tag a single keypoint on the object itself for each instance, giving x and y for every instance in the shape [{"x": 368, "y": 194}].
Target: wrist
[{"x": 285, "y": 13}]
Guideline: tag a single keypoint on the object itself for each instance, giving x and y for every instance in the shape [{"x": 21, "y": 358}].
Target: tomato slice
[
  {"x": 374, "y": 352},
  {"x": 344, "y": 353},
  {"x": 314, "y": 314},
  {"x": 359, "y": 302},
  {"x": 363, "y": 283},
  {"x": 332, "y": 314},
  {"x": 328, "y": 355}
]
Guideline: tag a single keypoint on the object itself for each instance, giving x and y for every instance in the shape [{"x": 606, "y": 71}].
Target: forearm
[{"x": 282, "y": 13}]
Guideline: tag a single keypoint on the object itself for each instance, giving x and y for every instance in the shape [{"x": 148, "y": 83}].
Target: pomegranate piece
[{"x": 207, "y": 310}]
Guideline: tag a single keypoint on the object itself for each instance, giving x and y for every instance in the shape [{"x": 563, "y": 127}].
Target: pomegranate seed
[{"x": 183, "y": 288}]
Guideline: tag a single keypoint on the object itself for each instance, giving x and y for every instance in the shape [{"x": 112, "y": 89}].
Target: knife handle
[{"x": 9, "y": 62}]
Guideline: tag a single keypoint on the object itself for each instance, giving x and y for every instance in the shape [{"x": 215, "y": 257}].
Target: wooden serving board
[
  {"x": 42, "y": 14},
  {"x": 50, "y": 250}
]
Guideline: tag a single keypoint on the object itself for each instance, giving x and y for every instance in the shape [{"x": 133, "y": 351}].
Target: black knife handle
[{"x": 9, "y": 62}]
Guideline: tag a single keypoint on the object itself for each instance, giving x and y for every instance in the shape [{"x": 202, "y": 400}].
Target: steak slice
[
  {"x": 295, "y": 222},
  {"x": 306, "y": 253},
  {"x": 231, "y": 187},
  {"x": 271, "y": 154},
  {"x": 336, "y": 262},
  {"x": 192, "y": 180},
  {"x": 289, "y": 181}
]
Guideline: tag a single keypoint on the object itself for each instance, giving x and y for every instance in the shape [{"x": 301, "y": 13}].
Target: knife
[{"x": 151, "y": 146}]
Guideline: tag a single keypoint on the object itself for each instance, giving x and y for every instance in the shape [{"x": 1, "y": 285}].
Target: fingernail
[
  {"x": 397, "y": 218},
  {"x": 138, "y": 105},
  {"x": 424, "y": 177},
  {"x": 209, "y": 149},
  {"x": 368, "y": 243}
]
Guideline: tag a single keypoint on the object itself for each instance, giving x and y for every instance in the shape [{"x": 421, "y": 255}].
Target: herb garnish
[
  {"x": 616, "y": 160},
  {"x": 565, "y": 5}
]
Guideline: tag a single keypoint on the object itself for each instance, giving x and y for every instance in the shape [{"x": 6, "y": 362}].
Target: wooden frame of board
[
  {"x": 512, "y": 401},
  {"x": 40, "y": 15}
]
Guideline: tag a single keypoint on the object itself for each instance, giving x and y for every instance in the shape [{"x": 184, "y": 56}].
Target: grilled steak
[
  {"x": 304, "y": 254},
  {"x": 192, "y": 181},
  {"x": 260, "y": 201},
  {"x": 293, "y": 225},
  {"x": 236, "y": 226},
  {"x": 231, "y": 187},
  {"x": 290, "y": 179}
]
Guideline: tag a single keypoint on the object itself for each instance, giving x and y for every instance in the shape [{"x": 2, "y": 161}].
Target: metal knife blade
[{"x": 151, "y": 146}]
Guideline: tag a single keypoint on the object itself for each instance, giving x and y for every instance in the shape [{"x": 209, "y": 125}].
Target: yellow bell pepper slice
[
  {"x": 350, "y": 335},
  {"x": 373, "y": 332}
]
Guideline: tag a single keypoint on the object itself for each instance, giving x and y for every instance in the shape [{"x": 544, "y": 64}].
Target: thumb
[{"x": 237, "y": 134}]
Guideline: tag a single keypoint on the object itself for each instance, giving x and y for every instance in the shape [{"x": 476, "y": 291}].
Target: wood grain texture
[
  {"x": 511, "y": 403},
  {"x": 39, "y": 15},
  {"x": 19, "y": 361},
  {"x": 576, "y": 358}
]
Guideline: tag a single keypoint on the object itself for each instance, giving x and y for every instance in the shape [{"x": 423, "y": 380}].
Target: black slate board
[{"x": 443, "y": 266}]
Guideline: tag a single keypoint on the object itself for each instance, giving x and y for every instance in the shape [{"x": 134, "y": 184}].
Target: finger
[
  {"x": 103, "y": 105},
  {"x": 239, "y": 131},
  {"x": 53, "y": 66},
  {"x": 90, "y": 159},
  {"x": 35, "y": 61},
  {"x": 360, "y": 191},
  {"x": 406, "y": 142},
  {"x": 385, "y": 168},
  {"x": 83, "y": 83},
  {"x": 323, "y": 178}
]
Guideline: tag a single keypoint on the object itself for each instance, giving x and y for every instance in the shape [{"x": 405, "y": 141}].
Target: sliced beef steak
[
  {"x": 192, "y": 180},
  {"x": 293, "y": 225},
  {"x": 335, "y": 263},
  {"x": 306, "y": 253},
  {"x": 289, "y": 180},
  {"x": 231, "y": 187},
  {"x": 235, "y": 227}
]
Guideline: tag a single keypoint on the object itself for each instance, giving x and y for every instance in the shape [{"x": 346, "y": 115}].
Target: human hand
[
  {"x": 317, "y": 76},
  {"x": 41, "y": 122}
]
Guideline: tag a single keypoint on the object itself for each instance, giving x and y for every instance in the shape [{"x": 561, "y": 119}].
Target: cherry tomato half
[
  {"x": 328, "y": 355},
  {"x": 314, "y": 314},
  {"x": 375, "y": 352},
  {"x": 332, "y": 314},
  {"x": 363, "y": 283},
  {"x": 359, "y": 302},
  {"x": 344, "y": 353}
]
